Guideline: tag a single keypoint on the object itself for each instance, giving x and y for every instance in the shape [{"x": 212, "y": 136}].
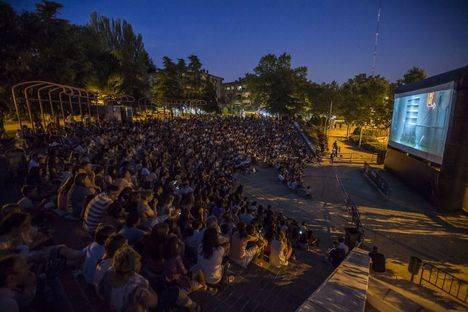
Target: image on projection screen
[{"x": 420, "y": 122}]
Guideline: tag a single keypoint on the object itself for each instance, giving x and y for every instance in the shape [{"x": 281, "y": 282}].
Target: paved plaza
[{"x": 405, "y": 225}]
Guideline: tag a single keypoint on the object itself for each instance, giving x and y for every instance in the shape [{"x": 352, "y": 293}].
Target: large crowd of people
[{"x": 158, "y": 204}]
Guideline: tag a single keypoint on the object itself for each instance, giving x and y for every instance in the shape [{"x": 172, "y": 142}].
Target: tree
[
  {"x": 48, "y": 9},
  {"x": 168, "y": 86},
  {"x": 105, "y": 55},
  {"x": 412, "y": 75},
  {"x": 119, "y": 38},
  {"x": 322, "y": 98},
  {"x": 209, "y": 96},
  {"x": 194, "y": 81},
  {"x": 366, "y": 101},
  {"x": 277, "y": 86}
]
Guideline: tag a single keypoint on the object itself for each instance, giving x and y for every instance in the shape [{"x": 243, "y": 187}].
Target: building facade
[
  {"x": 236, "y": 93},
  {"x": 217, "y": 83}
]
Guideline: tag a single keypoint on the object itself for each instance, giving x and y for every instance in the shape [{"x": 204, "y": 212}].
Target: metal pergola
[
  {"x": 60, "y": 101},
  {"x": 33, "y": 94}
]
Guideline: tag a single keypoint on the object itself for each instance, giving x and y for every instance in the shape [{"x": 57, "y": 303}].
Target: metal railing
[
  {"x": 377, "y": 180},
  {"x": 444, "y": 281},
  {"x": 350, "y": 205},
  {"x": 357, "y": 157}
]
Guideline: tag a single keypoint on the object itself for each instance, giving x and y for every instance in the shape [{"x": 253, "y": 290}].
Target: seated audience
[
  {"x": 210, "y": 257},
  {"x": 94, "y": 251},
  {"x": 123, "y": 287},
  {"x": 240, "y": 252}
]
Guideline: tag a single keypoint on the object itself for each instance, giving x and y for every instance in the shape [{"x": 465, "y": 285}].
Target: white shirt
[
  {"x": 93, "y": 252},
  {"x": 212, "y": 267},
  {"x": 277, "y": 257}
]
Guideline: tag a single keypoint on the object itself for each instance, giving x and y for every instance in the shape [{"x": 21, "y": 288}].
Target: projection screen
[{"x": 420, "y": 121}]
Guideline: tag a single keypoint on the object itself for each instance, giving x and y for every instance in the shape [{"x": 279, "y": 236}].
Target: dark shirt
[
  {"x": 378, "y": 262},
  {"x": 335, "y": 256}
]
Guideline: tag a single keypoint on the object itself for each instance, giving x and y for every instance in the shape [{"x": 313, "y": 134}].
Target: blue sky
[{"x": 334, "y": 39}]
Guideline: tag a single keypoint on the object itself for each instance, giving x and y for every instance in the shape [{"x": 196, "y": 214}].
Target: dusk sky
[{"x": 334, "y": 39}]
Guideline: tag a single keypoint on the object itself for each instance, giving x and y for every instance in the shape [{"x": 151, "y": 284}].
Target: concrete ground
[
  {"x": 403, "y": 226},
  {"x": 259, "y": 287}
]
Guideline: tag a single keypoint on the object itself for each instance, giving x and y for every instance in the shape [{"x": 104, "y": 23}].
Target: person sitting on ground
[
  {"x": 280, "y": 251},
  {"x": 130, "y": 230},
  {"x": 29, "y": 193},
  {"x": 342, "y": 245},
  {"x": 246, "y": 215},
  {"x": 18, "y": 236},
  {"x": 79, "y": 193},
  {"x": 94, "y": 251},
  {"x": 176, "y": 273},
  {"x": 123, "y": 287},
  {"x": 62, "y": 193},
  {"x": 210, "y": 257},
  {"x": 377, "y": 260},
  {"x": 240, "y": 253},
  {"x": 192, "y": 238},
  {"x": 152, "y": 246},
  {"x": 17, "y": 283},
  {"x": 307, "y": 240},
  {"x": 112, "y": 244},
  {"x": 143, "y": 207},
  {"x": 336, "y": 255},
  {"x": 97, "y": 208},
  {"x": 211, "y": 223},
  {"x": 126, "y": 180}
]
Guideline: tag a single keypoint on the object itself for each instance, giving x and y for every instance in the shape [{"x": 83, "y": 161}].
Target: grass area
[{"x": 369, "y": 144}]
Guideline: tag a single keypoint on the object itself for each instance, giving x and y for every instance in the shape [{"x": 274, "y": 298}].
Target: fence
[
  {"x": 305, "y": 138},
  {"x": 356, "y": 158},
  {"x": 377, "y": 180},
  {"x": 444, "y": 281},
  {"x": 351, "y": 206}
]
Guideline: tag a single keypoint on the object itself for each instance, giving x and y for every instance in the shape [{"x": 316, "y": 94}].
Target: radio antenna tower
[{"x": 374, "y": 55}]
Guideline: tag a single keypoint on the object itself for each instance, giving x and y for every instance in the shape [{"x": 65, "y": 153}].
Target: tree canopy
[
  {"x": 412, "y": 75},
  {"x": 183, "y": 82},
  {"x": 104, "y": 55},
  {"x": 277, "y": 86},
  {"x": 108, "y": 56},
  {"x": 362, "y": 100}
]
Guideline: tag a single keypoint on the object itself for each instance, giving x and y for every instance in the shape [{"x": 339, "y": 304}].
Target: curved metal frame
[{"x": 43, "y": 85}]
